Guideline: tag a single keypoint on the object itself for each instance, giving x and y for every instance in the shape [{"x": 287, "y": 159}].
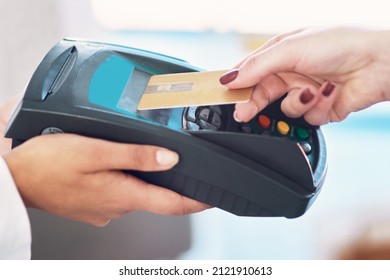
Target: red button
[{"x": 264, "y": 121}]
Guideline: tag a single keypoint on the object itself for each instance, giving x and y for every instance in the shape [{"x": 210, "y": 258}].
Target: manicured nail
[
  {"x": 228, "y": 77},
  {"x": 306, "y": 96},
  {"x": 236, "y": 118},
  {"x": 166, "y": 157},
  {"x": 328, "y": 89}
]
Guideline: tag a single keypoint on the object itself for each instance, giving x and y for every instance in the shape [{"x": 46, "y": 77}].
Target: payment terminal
[{"x": 271, "y": 166}]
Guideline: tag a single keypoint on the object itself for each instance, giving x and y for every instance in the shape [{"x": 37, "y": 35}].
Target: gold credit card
[{"x": 190, "y": 89}]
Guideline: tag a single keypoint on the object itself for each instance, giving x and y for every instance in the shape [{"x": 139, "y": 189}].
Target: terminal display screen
[{"x": 118, "y": 84}]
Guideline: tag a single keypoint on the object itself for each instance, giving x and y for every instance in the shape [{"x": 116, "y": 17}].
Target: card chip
[{"x": 164, "y": 88}]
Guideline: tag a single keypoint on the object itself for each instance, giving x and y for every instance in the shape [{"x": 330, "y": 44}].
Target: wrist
[{"x": 381, "y": 54}]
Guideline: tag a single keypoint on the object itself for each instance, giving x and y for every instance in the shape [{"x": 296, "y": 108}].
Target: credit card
[{"x": 190, "y": 89}]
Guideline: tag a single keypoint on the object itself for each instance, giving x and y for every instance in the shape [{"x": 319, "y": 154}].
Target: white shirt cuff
[{"x": 15, "y": 230}]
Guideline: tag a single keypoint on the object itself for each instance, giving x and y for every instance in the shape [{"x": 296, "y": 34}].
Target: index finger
[
  {"x": 262, "y": 65},
  {"x": 268, "y": 44}
]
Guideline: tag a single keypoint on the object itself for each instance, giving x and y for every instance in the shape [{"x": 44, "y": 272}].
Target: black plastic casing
[{"x": 245, "y": 174}]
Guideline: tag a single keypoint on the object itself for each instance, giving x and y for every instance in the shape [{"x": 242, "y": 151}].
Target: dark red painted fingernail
[
  {"x": 229, "y": 77},
  {"x": 306, "y": 96},
  {"x": 328, "y": 89}
]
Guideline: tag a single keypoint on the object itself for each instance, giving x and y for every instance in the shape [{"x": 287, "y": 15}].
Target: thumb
[{"x": 134, "y": 157}]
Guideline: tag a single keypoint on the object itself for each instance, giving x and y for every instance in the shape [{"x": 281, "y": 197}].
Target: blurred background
[{"x": 354, "y": 204}]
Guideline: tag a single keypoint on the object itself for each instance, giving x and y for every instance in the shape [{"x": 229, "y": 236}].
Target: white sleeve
[{"x": 15, "y": 231}]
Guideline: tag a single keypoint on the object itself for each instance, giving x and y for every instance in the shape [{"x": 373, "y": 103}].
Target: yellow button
[{"x": 283, "y": 128}]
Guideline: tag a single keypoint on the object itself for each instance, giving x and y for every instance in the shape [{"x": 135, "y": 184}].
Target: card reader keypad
[
  {"x": 203, "y": 117},
  {"x": 263, "y": 124},
  {"x": 211, "y": 118}
]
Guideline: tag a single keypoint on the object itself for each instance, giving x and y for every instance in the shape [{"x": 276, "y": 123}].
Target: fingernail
[
  {"x": 306, "y": 96},
  {"x": 236, "y": 118},
  {"x": 328, "y": 89},
  {"x": 166, "y": 157},
  {"x": 228, "y": 77}
]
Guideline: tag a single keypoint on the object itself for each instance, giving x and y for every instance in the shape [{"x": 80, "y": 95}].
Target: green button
[{"x": 302, "y": 133}]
